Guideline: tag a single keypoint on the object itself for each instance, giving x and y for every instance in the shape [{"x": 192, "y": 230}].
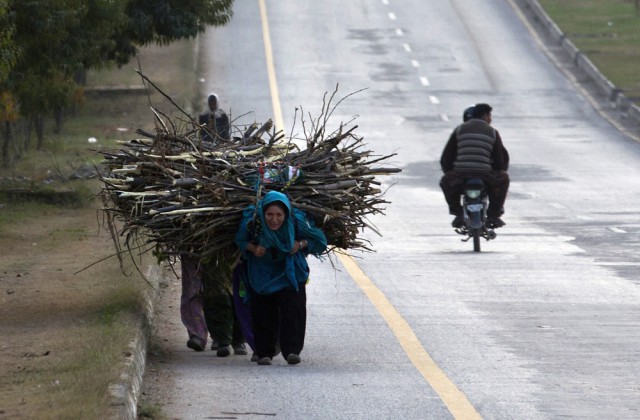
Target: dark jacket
[
  {"x": 474, "y": 146},
  {"x": 216, "y": 122}
]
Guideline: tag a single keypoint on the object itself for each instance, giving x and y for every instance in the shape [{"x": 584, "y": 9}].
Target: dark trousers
[
  {"x": 219, "y": 314},
  {"x": 221, "y": 319},
  {"x": 497, "y": 184},
  {"x": 281, "y": 315}
]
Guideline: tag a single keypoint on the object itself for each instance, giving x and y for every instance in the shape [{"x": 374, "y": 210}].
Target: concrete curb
[
  {"x": 125, "y": 392},
  {"x": 625, "y": 106}
]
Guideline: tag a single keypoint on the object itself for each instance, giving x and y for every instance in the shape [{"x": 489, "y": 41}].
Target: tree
[
  {"x": 8, "y": 50},
  {"x": 8, "y": 57},
  {"x": 47, "y": 43},
  {"x": 166, "y": 21},
  {"x": 54, "y": 44}
]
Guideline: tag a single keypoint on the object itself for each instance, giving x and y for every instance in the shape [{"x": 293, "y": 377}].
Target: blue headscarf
[
  {"x": 284, "y": 237},
  {"x": 267, "y": 274}
]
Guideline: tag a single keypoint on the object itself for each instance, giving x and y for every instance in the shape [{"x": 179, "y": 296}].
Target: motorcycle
[{"x": 475, "y": 203}]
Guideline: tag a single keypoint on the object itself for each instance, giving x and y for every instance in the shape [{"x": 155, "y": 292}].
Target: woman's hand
[
  {"x": 257, "y": 250},
  {"x": 298, "y": 245}
]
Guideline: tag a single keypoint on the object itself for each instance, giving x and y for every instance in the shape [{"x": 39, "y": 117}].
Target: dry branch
[{"x": 171, "y": 192}]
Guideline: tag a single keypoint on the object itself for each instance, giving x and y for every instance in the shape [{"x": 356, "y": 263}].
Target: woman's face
[{"x": 274, "y": 216}]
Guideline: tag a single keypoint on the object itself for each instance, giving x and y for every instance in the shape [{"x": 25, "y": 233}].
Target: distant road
[{"x": 544, "y": 323}]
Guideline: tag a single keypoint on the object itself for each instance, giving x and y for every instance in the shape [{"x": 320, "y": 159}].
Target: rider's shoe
[
  {"x": 458, "y": 222},
  {"x": 495, "y": 222}
]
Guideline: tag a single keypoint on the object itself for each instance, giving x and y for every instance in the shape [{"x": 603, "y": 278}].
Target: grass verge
[
  {"x": 65, "y": 331},
  {"x": 606, "y": 31},
  {"x": 67, "y": 324}
]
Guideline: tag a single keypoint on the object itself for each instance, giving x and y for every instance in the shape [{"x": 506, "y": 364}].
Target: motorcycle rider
[
  {"x": 466, "y": 116},
  {"x": 475, "y": 150}
]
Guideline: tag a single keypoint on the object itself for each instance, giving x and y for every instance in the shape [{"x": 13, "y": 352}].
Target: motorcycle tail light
[{"x": 473, "y": 194}]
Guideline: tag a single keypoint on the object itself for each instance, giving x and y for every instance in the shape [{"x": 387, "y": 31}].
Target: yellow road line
[
  {"x": 271, "y": 71},
  {"x": 451, "y": 396}
]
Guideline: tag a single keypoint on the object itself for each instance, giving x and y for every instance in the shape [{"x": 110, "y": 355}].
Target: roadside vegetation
[
  {"x": 66, "y": 324},
  {"x": 47, "y": 47},
  {"x": 68, "y": 311},
  {"x": 606, "y": 31}
]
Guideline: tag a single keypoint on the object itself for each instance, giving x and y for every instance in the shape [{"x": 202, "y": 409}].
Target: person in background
[
  {"x": 475, "y": 150},
  {"x": 206, "y": 306},
  {"x": 275, "y": 240},
  {"x": 191, "y": 303},
  {"x": 215, "y": 124},
  {"x": 219, "y": 312}
]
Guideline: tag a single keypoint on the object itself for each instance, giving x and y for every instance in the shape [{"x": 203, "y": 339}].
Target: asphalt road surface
[{"x": 544, "y": 323}]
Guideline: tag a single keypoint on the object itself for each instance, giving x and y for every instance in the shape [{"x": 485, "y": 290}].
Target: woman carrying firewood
[{"x": 275, "y": 240}]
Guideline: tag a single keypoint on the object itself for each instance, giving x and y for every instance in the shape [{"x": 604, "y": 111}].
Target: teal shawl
[{"x": 278, "y": 269}]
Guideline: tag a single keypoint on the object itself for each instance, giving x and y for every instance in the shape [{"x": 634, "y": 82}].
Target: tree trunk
[
  {"x": 39, "y": 124},
  {"x": 58, "y": 116},
  {"x": 6, "y": 141},
  {"x": 80, "y": 77},
  {"x": 19, "y": 129},
  {"x": 27, "y": 125}
]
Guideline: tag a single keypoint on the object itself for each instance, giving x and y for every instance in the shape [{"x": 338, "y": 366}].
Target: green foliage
[
  {"x": 149, "y": 411},
  {"x": 606, "y": 31},
  {"x": 167, "y": 21},
  {"x": 42, "y": 194},
  {"x": 8, "y": 50},
  {"x": 60, "y": 39}
]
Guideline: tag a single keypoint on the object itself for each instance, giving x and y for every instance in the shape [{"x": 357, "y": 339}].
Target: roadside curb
[
  {"x": 125, "y": 392},
  {"x": 626, "y": 108}
]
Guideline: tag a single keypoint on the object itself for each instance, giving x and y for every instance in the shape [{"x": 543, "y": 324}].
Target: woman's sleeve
[
  {"x": 242, "y": 234},
  {"x": 307, "y": 230}
]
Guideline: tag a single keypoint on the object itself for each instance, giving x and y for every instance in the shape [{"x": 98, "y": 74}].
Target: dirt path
[
  {"x": 45, "y": 308},
  {"x": 168, "y": 338},
  {"x": 40, "y": 290}
]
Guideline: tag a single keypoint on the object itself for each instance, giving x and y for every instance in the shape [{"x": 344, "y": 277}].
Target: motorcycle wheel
[{"x": 476, "y": 239}]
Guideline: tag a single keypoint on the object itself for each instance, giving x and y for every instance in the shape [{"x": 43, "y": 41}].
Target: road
[{"x": 544, "y": 323}]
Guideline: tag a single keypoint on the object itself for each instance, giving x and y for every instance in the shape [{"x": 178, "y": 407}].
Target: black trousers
[
  {"x": 281, "y": 315},
  {"x": 497, "y": 184}
]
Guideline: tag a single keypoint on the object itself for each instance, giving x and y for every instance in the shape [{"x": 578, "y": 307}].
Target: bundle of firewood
[{"x": 172, "y": 193}]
